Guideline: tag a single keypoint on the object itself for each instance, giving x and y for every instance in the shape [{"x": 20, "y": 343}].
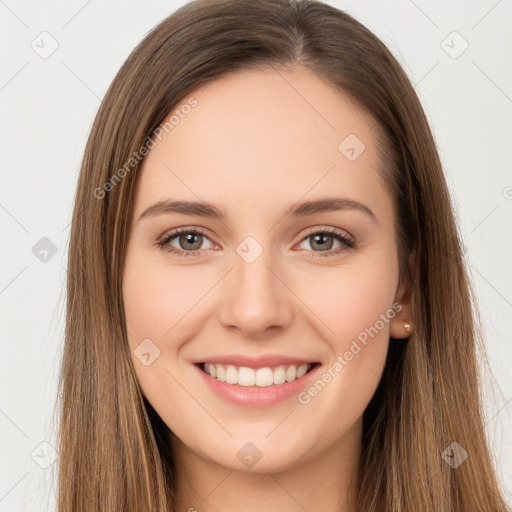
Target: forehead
[{"x": 260, "y": 135}]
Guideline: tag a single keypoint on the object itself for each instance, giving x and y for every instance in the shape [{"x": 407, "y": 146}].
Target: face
[{"x": 274, "y": 283}]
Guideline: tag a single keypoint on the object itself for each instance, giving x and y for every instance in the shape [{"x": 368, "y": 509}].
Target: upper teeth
[{"x": 262, "y": 377}]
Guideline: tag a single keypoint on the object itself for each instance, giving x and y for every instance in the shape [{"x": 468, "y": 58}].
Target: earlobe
[{"x": 401, "y": 325}]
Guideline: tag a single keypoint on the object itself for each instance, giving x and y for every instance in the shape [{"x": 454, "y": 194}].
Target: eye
[
  {"x": 189, "y": 241},
  {"x": 323, "y": 239}
]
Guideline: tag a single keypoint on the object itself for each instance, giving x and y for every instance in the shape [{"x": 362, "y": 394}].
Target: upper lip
[{"x": 255, "y": 362}]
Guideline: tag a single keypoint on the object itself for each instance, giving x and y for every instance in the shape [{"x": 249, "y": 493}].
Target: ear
[{"x": 397, "y": 329}]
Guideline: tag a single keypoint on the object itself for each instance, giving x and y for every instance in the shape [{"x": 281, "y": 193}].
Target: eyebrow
[{"x": 203, "y": 209}]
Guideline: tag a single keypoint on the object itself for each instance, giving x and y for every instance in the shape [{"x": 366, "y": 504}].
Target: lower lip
[{"x": 256, "y": 396}]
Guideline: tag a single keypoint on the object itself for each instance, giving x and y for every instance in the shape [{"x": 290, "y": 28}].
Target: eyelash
[{"x": 348, "y": 242}]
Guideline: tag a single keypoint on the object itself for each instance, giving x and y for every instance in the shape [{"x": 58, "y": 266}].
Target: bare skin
[{"x": 257, "y": 143}]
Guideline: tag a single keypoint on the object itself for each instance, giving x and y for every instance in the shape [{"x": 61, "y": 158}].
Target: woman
[{"x": 314, "y": 349}]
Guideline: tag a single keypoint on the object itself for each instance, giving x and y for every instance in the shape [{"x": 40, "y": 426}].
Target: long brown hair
[{"x": 112, "y": 444}]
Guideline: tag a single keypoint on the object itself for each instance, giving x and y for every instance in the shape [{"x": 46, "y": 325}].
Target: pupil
[
  {"x": 318, "y": 239},
  {"x": 189, "y": 239}
]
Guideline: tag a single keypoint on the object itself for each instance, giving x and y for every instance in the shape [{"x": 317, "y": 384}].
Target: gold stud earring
[{"x": 407, "y": 327}]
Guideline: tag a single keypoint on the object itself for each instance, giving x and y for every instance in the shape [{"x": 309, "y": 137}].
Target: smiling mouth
[{"x": 260, "y": 377}]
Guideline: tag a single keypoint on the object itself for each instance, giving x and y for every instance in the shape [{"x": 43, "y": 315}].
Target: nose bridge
[{"x": 256, "y": 298}]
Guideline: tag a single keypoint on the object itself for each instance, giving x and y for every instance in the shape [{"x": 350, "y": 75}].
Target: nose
[{"x": 256, "y": 300}]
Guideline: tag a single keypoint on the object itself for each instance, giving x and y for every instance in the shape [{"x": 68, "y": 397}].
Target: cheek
[
  {"x": 350, "y": 299},
  {"x": 166, "y": 306},
  {"x": 359, "y": 307},
  {"x": 149, "y": 306},
  {"x": 355, "y": 306},
  {"x": 159, "y": 306},
  {"x": 344, "y": 307},
  {"x": 159, "y": 300}
]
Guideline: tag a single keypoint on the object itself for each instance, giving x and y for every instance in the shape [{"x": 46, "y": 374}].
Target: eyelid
[
  {"x": 173, "y": 233},
  {"x": 346, "y": 238},
  {"x": 330, "y": 230},
  {"x": 203, "y": 231},
  {"x": 182, "y": 229}
]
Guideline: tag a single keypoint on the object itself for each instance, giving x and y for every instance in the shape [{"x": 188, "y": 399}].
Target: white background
[{"x": 48, "y": 106}]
